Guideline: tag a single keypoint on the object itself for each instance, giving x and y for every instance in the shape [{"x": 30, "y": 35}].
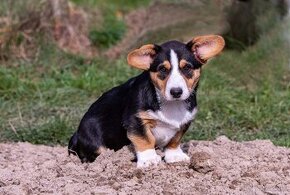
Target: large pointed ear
[
  {"x": 206, "y": 47},
  {"x": 143, "y": 57}
]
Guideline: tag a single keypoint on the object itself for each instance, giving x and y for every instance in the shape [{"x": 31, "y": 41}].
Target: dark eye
[
  {"x": 187, "y": 67},
  {"x": 162, "y": 69}
]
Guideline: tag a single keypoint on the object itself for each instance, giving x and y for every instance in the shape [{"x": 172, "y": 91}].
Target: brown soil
[{"x": 217, "y": 167}]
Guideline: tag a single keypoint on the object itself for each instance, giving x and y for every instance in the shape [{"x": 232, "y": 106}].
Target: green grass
[
  {"x": 112, "y": 31},
  {"x": 246, "y": 95},
  {"x": 121, "y": 5},
  {"x": 44, "y": 101},
  {"x": 242, "y": 95}
]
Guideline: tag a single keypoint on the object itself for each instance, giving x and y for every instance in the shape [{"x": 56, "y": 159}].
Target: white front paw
[
  {"x": 175, "y": 155},
  {"x": 147, "y": 158}
]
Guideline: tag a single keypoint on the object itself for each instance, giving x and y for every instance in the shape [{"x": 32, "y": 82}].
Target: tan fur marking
[
  {"x": 143, "y": 143},
  {"x": 167, "y": 64},
  {"x": 182, "y": 63},
  {"x": 175, "y": 141},
  {"x": 206, "y": 47},
  {"x": 147, "y": 120},
  {"x": 141, "y": 58},
  {"x": 148, "y": 141},
  {"x": 160, "y": 84},
  {"x": 191, "y": 83}
]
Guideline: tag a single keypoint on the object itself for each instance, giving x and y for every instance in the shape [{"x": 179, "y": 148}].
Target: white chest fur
[{"x": 170, "y": 118}]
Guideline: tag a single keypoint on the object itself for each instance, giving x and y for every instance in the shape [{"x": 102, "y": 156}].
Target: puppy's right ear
[{"x": 143, "y": 57}]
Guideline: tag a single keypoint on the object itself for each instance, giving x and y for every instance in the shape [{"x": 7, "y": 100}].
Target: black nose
[{"x": 176, "y": 92}]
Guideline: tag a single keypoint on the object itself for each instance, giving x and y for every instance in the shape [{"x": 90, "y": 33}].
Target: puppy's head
[{"x": 174, "y": 66}]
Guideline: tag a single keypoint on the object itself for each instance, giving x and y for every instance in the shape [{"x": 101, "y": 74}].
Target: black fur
[{"x": 113, "y": 115}]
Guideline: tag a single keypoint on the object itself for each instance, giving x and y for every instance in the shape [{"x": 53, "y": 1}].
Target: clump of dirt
[
  {"x": 221, "y": 166},
  {"x": 201, "y": 162}
]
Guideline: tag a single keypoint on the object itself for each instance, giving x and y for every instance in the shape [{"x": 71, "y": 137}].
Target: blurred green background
[{"x": 58, "y": 56}]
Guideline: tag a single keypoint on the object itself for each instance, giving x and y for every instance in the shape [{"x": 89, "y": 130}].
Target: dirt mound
[{"x": 218, "y": 167}]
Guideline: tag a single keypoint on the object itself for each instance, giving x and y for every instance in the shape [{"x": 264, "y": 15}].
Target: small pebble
[{"x": 201, "y": 162}]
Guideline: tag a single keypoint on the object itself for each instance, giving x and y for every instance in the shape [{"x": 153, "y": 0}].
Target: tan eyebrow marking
[
  {"x": 167, "y": 64},
  {"x": 191, "y": 83},
  {"x": 160, "y": 84},
  {"x": 183, "y": 63}
]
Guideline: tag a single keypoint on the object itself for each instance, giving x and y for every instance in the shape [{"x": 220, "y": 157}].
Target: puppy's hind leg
[{"x": 87, "y": 143}]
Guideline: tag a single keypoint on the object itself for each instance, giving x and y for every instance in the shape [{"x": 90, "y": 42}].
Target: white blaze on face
[{"x": 175, "y": 79}]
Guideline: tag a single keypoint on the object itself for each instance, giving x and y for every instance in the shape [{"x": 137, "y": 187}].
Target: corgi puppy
[{"x": 153, "y": 109}]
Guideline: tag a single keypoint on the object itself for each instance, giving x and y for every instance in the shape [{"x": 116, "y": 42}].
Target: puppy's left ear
[
  {"x": 143, "y": 57},
  {"x": 206, "y": 47}
]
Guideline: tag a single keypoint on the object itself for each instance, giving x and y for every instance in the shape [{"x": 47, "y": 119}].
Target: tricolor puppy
[{"x": 153, "y": 109}]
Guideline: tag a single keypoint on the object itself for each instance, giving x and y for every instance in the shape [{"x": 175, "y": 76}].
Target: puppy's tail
[{"x": 72, "y": 145}]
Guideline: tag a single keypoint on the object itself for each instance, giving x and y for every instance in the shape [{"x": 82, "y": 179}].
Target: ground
[
  {"x": 221, "y": 166},
  {"x": 244, "y": 95}
]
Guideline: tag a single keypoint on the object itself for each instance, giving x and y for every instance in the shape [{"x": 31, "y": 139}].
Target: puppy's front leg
[
  {"x": 173, "y": 152},
  {"x": 145, "y": 148}
]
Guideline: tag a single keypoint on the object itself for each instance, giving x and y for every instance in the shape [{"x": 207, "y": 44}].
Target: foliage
[
  {"x": 112, "y": 31},
  {"x": 113, "y": 27},
  {"x": 248, "y": 20},
  {"x": 244, "y": 95}
]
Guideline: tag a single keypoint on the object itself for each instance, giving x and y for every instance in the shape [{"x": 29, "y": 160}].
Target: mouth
[
  {"x": 172, "y": 99},
  {"x": 176, "y": 99}
]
